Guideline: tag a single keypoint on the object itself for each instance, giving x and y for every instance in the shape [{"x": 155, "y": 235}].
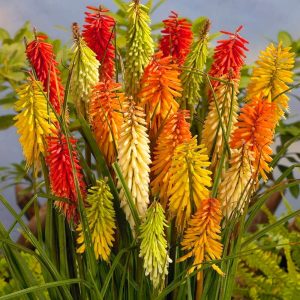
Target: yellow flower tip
[
  {"x": 101, "y": 220},
  {"x": 189, "y": 181},
  {"x": 33, "y": 121},
  {"x": 202, "y": 237},
  {"x": 153, "y": 248},
  {"x": 134, "y": 160}
]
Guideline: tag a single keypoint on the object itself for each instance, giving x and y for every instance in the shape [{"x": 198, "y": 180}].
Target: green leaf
[
  {"x": 3, "y": 34},
  {"x": 6, "y": 121},
  {"x": 38, "y": 288},
  {"x": 295, "y": 190},
  {"x": 285, "y": 38},
  {"x": 269, "y": 228}
]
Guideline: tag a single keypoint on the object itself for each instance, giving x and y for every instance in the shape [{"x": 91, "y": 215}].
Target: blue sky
[{"x": 262, "y": 19}]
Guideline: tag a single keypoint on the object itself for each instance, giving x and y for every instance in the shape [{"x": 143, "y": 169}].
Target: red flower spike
[
  {"x": 99, "y": 36},
  {"x": 42, "y": 58},
  {"x": 229, "y": 56},
  {"x": 61, "y": 175},
  {"x": 177, "y": 38}
]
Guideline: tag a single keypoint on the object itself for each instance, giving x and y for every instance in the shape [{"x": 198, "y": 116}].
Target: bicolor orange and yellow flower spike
[
  {"x": 106, "y": 117},
  {"x": 175, "y": 132},
  {"x": 202, "y": 237},
  {"x": 255, "y": 128}
]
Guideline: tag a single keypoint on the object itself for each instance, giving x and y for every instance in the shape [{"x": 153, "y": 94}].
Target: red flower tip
[
  {"x": 42, "y": 58},
  {"x": 177, "y": 38},
  {"x": 98, "y": 34},
  {"x": 229, "y": 56}
]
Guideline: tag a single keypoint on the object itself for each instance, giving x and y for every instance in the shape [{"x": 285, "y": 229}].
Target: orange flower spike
[
  {"x": 202, "y": 237},
  {"x": 255, "y": 128},
  {"x": 61, "y": 173},
  {"x": 160, "y": 86},
  {"x": 106, "y": 117},
  {"x": 175, "y": 132},
  {"x": 42, "y": 58}
]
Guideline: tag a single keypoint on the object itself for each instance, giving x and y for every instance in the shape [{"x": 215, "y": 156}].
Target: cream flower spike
[{"x": 134, "y": 159}]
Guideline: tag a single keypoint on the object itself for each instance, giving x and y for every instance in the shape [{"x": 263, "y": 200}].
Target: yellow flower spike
[
  {"x": 202, "y": 237},
  {"x": 153, "y": 247},
  {"x": 189, "y": 181},
  {"x": 272, "y": 73},
  {"x": 33, "y": 121},
  {"x": 134, "y": 159},
  {"x": 101, "y": 219},
  {"x": 85, "y": 72},
  {"x": 237, "y": 182},
  {"x": 212, "y": 135}
]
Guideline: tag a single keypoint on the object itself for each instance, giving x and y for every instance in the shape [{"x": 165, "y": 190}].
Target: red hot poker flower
[
  {"x": 177, "y": 38},
  {"x": 229, "y": 56},
  {"x": 61, "y": 175},
  {"x": 255, "y": 128},
  {"x": 41, "y": 56},
  {"x": 99, "y": 36}
]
